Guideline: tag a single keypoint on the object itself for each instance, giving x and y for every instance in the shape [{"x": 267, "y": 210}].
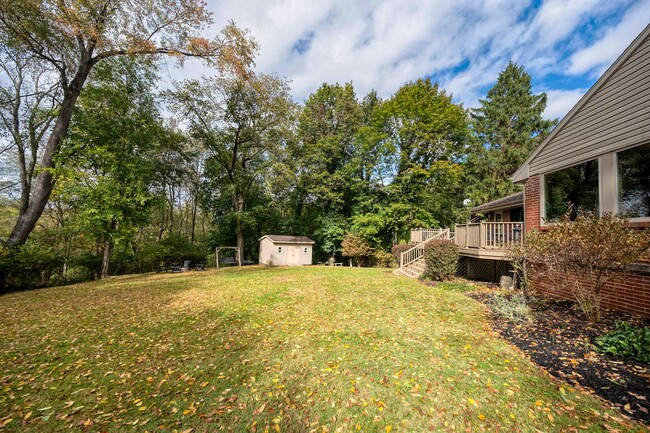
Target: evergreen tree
[{"x": 507, "y": 126}]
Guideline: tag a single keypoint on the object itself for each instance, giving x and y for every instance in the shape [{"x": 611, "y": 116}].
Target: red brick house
[{"x": 598, "y": 159}]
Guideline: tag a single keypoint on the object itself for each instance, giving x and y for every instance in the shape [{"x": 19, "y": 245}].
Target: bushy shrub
[
  {"x": 174, "y": 249},
  {"x": 626, "y": 341},
  {"x": 29, "y": 266},
  {"x": 441, "y": 258},
  {"x": 512, "y": 308},
  {"x": 384, "y": 259},
  {"x": 397, "y": 251},
  {"x": 585, "y": 254}
]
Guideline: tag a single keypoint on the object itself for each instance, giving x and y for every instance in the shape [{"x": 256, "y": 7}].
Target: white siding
[{"x": 615, "y": 116}]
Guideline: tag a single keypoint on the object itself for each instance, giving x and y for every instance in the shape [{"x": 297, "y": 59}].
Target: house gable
[{"x": 612, "y": 115}]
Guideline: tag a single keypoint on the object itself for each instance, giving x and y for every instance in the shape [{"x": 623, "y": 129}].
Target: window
[
  {"x": 305, "y": 250},
  {"x": 634, "y": 182},
  {"x": 279, "y": 250},
  {"x": 575, "y": 186}
]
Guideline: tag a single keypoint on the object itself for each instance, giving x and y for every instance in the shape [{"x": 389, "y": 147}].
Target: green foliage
[
  {"x": 513, "y": 308},
  {"x": 507, "y": 127},
  {"x": 585, "y": 254},
  {"x": 174, "y": 249},
  {"x": 626, "y": 341},
  {"x": 30, "y": 265},
  {"x": 384, "y": 259},
  {"x": 441, "y": 259}
]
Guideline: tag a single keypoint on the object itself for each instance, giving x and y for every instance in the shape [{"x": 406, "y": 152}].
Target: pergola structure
[{"x": 237, "y": 254}]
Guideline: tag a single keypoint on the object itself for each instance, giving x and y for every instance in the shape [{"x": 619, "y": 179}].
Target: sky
[{"x": 565, "y": 45}]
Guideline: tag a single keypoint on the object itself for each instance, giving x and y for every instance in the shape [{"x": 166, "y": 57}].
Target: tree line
[{"x": 105, "y": 174}]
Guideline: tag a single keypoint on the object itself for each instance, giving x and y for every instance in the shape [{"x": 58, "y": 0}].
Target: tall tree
[
  {"x": 106, "y": 171},
  {"x": 72, "y": 37},
  {"x": 428, "y": 134},
  {"x": 27, "y": 101},
  {"x": 243, "y": 123},
  {"x": 507, "y": 127}
]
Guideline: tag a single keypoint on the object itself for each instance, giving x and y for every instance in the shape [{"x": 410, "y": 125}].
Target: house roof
[
  {"x": 282, "y": 239},
  {"x": 513, "y": 200},
  {"x": 522, "y": 172}
]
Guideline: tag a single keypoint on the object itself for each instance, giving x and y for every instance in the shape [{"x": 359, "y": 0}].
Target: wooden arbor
[{"x": 237, "y": 254}]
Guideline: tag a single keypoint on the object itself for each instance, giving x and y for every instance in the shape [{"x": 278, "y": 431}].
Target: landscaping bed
[{"x": 562, "y": 342}]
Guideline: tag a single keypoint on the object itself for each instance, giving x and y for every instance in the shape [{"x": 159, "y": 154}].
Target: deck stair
[{"x": 412, "y": 261}]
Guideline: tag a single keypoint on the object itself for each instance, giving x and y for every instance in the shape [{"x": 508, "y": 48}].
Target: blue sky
[{"x": 380, "y": 44}]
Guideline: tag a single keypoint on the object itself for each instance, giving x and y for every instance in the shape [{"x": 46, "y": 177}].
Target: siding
[{"x": 615, "y": 116}]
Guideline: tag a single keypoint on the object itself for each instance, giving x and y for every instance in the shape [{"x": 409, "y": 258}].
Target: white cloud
[
  {"x": 381, "y": 44},
  {"x": 601, "y": 54},
  {"x": 559, "y": 102}
]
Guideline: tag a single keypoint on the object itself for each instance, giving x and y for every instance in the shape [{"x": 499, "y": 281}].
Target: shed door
[{"x": 293, "y": 258}]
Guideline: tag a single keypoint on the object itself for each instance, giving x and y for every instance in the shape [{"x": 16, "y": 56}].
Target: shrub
[
  {"x": 356, "y": 247},
  {"x": 384, "y": 259},
  {"x": 441, "y": 258},
  {"x": 626, "y": 341},
  {"x": 397, "y": 250},
  {"x": 512, "y": 308},
  {"x": 29, "y": 266},
  {"x": 585, "y": 254},
  {"x": 167, "y": 251}
]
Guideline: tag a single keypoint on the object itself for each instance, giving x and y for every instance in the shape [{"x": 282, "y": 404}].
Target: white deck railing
[
  {"x": 489, "y": 235},
  {"x": 417, "y": 251},
  {"x": 422, "y": 235}
]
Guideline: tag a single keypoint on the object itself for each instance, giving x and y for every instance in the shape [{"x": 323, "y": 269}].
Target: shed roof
[
  {"x": 516, "y": 199},
  {"x": 282, "y": 239}
]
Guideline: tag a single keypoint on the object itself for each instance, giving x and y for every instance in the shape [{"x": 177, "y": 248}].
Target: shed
[{"x": 279, "y": 250}]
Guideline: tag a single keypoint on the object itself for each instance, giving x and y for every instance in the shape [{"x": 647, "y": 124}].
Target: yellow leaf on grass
[
  {"x": 27, "y": 415},
  {"x": 550, "y": 417},
  {"x": 538, "y": 403},
  {"x": 189, "y": 430},
  {"x": 389, "y": 428},
  {"x": 472, "y": 401},
  {"x": 481, "y": 416}
]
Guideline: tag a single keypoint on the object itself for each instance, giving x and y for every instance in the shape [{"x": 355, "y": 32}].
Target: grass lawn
[{"x": 282, "y": 349}]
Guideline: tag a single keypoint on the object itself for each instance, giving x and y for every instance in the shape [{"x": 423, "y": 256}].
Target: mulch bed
[{"x": 561, "y": 341}]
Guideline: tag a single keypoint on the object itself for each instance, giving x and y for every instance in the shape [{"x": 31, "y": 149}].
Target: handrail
[
  {"x": 489, "y": 235},
  {"x": 409, "y": 256}
]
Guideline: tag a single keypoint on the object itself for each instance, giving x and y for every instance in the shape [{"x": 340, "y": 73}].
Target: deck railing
[
  {"x": 417, "y": 251},
  {"x": 489, "y": 235},
  {"x": 423, "y": 235}
]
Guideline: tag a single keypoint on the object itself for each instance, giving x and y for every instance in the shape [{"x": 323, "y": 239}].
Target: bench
[{"x": 227, "y": 261}]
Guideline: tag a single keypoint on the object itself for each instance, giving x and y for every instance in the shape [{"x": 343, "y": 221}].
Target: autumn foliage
[{"x": 584, "y": 255}]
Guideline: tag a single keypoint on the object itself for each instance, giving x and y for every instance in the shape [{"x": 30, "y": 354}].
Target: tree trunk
[
  {"x": 108, "y": 247},
  {"x": 44, "y": 182},
  {"x": 239, "y": 208}
]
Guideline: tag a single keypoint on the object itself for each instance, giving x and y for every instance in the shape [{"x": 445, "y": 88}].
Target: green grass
[{"x": 282, "y": 349}]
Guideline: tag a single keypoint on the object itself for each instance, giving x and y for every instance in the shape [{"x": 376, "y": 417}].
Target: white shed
[{"x": 278, "y": 250}]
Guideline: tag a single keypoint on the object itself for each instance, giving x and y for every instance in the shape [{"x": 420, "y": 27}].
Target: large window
[
  {"x": 634, "y": 182},
  {"x": 575, "y": 187}
]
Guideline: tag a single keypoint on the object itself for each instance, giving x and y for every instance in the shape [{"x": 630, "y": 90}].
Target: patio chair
[
  {"x": 199, "y": 267},
  {"x": 186, "y": 266},
  {"x": 175, "y": 267}
]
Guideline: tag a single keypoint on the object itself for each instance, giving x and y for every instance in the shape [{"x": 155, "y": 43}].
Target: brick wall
[
  {"x": 629, "y": 293},
  {"x": 531, "y": 203}
]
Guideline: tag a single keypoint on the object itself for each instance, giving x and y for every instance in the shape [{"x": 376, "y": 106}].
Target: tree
[
  {"x": 71, "y": 38},
  {"x": 243, "y": 123},
  {"x": 106, "y": 170},
  {"x": 427, "y": 133},
  {"x": 327, "y": 129},
  {"x": 27, "y": 101},
  {"x": 354, "y": 246},
  {"x": 507, "y": 127}
]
